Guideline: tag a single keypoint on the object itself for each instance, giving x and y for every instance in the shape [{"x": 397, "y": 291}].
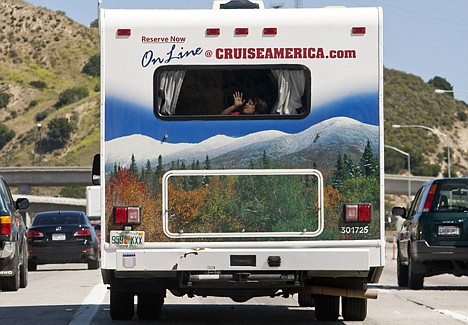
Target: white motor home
[{"x": 281, "y": 194}]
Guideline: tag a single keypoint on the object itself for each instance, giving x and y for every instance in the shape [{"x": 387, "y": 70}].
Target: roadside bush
[
  {"x": 93, "y": 66},
  {"x": 6, "y": 135},
  {"x": 72, "y": 95}
]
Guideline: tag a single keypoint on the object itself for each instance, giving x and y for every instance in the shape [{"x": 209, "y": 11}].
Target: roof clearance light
[
  {"x": 358, "y": 31},
  {"x": 124, "y": 32},
  {"x": 241, "y": 31},
  {"x": 270, "y": 31},
  {"x": 213, "y": 32}
]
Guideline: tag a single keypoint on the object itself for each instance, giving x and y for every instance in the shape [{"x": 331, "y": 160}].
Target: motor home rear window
[{"x": 201, "y": 92}]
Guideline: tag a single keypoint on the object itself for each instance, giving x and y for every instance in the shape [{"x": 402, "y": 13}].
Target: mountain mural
[{"x": 318, "y": 145}]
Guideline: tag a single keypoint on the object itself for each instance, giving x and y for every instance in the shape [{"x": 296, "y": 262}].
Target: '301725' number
[{"x": 355, "y": 230}]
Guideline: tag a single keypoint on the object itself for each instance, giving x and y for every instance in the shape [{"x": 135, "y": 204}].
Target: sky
[{"x": 426, "y": 38}]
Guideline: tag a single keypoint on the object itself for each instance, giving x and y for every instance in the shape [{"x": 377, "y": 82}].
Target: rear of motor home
[{"x": 286, "y": 200}]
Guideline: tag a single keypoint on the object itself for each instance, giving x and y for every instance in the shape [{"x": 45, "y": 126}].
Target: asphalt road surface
[{"x": 71, "y": 294}]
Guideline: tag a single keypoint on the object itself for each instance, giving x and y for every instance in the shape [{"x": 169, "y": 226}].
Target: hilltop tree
[{"x": 441, "y": 83}]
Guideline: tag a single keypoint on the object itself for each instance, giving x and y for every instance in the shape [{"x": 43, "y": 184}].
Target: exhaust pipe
[{"x": 341, "y": 292}]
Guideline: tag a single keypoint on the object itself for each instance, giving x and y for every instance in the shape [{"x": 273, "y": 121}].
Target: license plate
[
  {"x": 448, "y": 231},
  {"x": 58, "y": 237},
  {"x": 127, "y": 239}
]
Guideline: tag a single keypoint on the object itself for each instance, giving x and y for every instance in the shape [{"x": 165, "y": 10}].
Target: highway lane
[{"x": 71, "y": 294}]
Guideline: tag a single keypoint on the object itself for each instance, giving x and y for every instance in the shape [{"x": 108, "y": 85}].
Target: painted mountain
[{"x": 317, "y": 146}]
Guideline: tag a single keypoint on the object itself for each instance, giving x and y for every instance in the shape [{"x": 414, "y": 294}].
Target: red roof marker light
[
  {"x": 213, "y": 32},
  {"x": 358, "y": 31},
  {"x": 124, "y": 32},
  {"x": 241, "y": 31}
]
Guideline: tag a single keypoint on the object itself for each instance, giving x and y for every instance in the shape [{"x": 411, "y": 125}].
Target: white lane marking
[
  {"x": 90, "y": 306},
  {"x": 457, "y": 316}
]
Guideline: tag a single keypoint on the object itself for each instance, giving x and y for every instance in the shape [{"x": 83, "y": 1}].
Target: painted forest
[{"x": 228, "y": 204}]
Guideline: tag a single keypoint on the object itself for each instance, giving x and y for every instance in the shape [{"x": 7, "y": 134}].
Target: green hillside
[
  {"x": 49, "y": 107},
  {"x": 42, "y": 54}
]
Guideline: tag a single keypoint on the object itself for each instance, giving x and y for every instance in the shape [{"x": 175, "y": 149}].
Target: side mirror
[
  {"x": 22, "y": 203},
  {"x": 399, "y": 211},
  {"x": 96, "y": 172}
]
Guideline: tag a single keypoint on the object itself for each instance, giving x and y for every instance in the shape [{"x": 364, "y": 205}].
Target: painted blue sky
[{"x": 363, "y": 108}]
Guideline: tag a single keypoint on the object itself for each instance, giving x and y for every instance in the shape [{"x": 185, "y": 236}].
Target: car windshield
[
  {"x": 452, "y": 197},
  {"x": 58, "y": 219}
]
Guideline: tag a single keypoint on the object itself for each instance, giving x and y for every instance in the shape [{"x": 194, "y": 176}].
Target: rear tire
[
  {"x": 306, "y": 300},
  {"x": 354, "y": 309},
  {"x": 93, "y": 264},
  {"x": 402, "y": 273},
  {"x": 121, "y": 305},
  {"x": 32, "y": 265},
  {"x": 24, "y": 271},
  {"x": 327, "y": 308},
  {"x": 12, "y": 283},
  {"x": 149, "y": 305},
  {"x": 415, "y": 280}
]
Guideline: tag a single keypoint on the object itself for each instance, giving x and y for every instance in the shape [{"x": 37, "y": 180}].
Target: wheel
[
  {"x": 149, "y": 305},
  {"x": 327, "y": 308},
  {"x": 32, "y": 265},
  {"x": 24, "y": 271},
  {"x": 354, "y": 309},
  {"x": 402, "y": 273},
  {"x": 415, "y": 280},
  {"x": 93, "y": 264},
  {"x": 306, "y": 300},
  {"x": 12, "y": 283},
  {"x": 121, "y": 305}
]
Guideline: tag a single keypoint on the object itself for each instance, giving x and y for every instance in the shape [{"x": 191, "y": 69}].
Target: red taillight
[
  {"x": 127, "y": 215},
  {"x": 5, "y": 224},
  {"x": 124, "y": 32},
  {"x": 364, "y": 212},
  {"x": 358, "y": 31},
  {"x": 270, "y": 31},
  {"x": 82, "y": 232},
  {"x": 241, "y": 31},
  {"x": 358, "y": 212},
  {"x": 35, "y": 234},
  {"x": 430, "y": 198},
  {"x": 213, "y": 32}
]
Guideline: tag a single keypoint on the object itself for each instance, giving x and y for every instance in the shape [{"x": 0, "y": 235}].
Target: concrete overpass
[{"x": 24, "y": 178}]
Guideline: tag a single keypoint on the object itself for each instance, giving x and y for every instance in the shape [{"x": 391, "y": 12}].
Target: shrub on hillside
[
  {"x": 39, "y": 84},
  {"x": 4, "y": 99},
  {"x": 58, "y": 134},
  {"x": 93, "y": 66},
  {"x": 6, "y": 135},
  {"x": 72, "y": 95}
]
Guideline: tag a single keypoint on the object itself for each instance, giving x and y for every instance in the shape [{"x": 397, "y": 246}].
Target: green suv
[{"x": 433, "y": 239}]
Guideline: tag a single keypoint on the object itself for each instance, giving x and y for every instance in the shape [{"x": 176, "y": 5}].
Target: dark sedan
[{"x": 57, "y": 237}]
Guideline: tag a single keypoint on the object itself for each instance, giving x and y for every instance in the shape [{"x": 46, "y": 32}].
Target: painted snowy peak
[{"x": 319, "y": 143}]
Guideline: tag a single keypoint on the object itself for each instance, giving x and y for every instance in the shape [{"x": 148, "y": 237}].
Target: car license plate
[
  {"x": 127, "y": 239},
  {"x": 58, "y": 236},
  {"x": 448, "y": 231}
]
